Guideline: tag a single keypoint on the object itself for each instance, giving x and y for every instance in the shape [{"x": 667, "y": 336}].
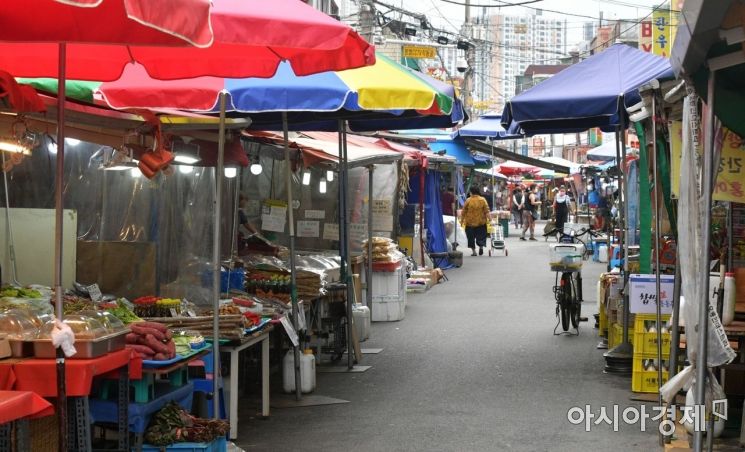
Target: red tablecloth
[
  {"x": 7, "y": 377},
  {"x": 15, "y": 405},
  {"x": 40, "y": 375}
]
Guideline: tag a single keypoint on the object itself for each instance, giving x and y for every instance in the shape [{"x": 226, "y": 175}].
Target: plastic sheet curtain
[
  {"x": 258, "y": 188},
  {"x": 690, "y": 232},
  {"x": 171, "y": 212}
]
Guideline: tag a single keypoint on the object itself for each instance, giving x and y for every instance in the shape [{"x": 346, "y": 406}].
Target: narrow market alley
[{"x": 474, "y": 366}]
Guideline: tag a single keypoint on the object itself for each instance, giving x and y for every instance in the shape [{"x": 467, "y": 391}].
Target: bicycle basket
[{"x": 565, "y": 257}]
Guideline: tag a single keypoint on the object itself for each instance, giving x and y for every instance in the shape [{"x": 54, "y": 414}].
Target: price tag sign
[
  {"x": 290, "y": 330},
  {"x": 315, "y": 214},
  {"x": 95, "y": 292},
  {"x": 308, "y": 228},
  {"x": 643, "y": 294},
  {"x": 331, "y": 231},
  {"x": 382, "y": 212}
]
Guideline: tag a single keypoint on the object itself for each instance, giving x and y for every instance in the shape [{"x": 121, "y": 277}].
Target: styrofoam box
[
  {"x": 388, "y": 286},
  {"x": 389, "y": 296}
]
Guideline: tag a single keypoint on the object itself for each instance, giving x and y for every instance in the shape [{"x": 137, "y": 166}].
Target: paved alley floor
[{"x": 474, "y": 366}]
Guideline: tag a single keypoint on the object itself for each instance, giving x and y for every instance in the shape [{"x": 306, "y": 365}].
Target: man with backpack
[{"x": 530, "y": 212}]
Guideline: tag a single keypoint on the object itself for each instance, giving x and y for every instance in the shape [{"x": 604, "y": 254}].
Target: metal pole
[
  {"x": 291, "y": 220},
  {"x": 368, "y": 267},
  {"x": 453, "y": 179},
  {"x": 219, "y": 169},
  {"x": 625, "y": 234},
  {"x": 674, "y": 329},
  {"x": 348, "y": 282},
  {"x": 59, "y": 187},
  {"x": 703, "y": 311},
  {"x": 234, "y": 231},
  {"x": 655, "y": 199}
]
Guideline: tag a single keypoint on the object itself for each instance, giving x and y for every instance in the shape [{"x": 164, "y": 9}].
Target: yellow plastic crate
[
  {"x": 602, "y": 322},
  {"x": 643, "y": 380},
  {"x": 615, "y": 335},
  {"x": 645, "y": 341}
]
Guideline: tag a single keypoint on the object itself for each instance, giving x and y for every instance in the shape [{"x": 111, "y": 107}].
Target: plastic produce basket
[
  {"x": 218, "y": 445},
  {"x": 566, "y": 257}
]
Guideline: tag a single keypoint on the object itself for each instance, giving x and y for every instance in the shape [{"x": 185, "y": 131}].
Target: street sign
[{"x": 418, "y": 52}]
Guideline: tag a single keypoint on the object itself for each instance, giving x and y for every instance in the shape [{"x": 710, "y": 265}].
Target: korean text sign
[{"x": 643, "y": 294}]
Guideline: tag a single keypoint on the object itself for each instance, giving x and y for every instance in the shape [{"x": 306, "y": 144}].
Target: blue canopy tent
[
  {"x": 489, "y": 126},
  {"x": 457, "y": 148},
  {"x": 593, "y": 93}
]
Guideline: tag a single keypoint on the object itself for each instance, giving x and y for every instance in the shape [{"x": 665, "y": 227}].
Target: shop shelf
[{"x": 218, "y": 445}]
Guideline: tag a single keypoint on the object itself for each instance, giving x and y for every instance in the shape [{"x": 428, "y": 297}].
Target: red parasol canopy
[
  {"x": 165, "y": 22},
  {"x": 251, "y": 38}
]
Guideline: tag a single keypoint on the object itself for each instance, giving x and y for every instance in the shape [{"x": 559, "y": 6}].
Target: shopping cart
[{"x": 496, "y": 238}]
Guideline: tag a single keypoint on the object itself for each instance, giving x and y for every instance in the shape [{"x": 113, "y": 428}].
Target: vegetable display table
[
  {"x": 235, "y": 348},
  {"x": 16, "y": 407},
  {"x": 40, "y": 376}
]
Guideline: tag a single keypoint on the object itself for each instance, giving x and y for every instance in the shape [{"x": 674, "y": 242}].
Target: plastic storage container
[
  {"x": 645, "y": 334},
  {"x": 730, "y": 295},
  {"x": 388, "y": 296},
  {"x": 307, "y": 371},
  {"x": 362, "y": 321},
  {"x": 20, "y": 327},
  {"x": 566, "y": 257},
  {"x": 217, "y": 445}
]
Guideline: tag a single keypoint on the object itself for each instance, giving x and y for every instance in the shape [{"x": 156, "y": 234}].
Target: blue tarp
[
  {"x": 488, "y": 126},
  {"x": 436, "y": 237},
  {"x": 457, "y": 148},
  {"x": 587, "y": 94}
]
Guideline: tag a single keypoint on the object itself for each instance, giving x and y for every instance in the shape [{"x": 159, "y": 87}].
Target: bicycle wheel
[
  {"x": 566, "y": 300},
  {"x": 575, "y": 310}
]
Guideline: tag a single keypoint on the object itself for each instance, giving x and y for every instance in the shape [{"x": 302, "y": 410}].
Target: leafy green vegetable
[{"x": 122, "y": 312}]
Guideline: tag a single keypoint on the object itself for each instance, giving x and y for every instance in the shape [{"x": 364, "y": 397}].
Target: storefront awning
[
  {"x": 507, "y": 155},
  {"x": 459, "y": 150}
]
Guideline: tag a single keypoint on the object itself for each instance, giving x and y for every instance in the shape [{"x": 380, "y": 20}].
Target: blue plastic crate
[
  {"x": 237, "y": 279},
  {"x": 218, "y": 445}
]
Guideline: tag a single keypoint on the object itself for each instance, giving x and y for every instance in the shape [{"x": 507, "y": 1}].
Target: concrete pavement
[{"x": 474, "y": 366}]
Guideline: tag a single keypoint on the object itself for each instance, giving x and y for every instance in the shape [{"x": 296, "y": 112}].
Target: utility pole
[
  {"x": 367, "y": 20},
  {"x": 468, "y": 77}
]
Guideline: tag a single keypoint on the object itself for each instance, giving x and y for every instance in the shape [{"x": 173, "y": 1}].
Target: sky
[{"x": 450, "y": 17}]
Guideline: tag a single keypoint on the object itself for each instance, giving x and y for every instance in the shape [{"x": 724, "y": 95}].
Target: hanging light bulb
[
  {"x": 231, "y": 172},
  {"x": 72, "y": 141},
  {"x": 306, "y": 178},
  {"x": 256, "y": 168},
  {"x": 330, "y": 175},
  {"x": 52, "y": 147},
  {"x": 322, "y": 185},
  {"x": 185, "y": 169},
  {"x": 135, "y": 173}
]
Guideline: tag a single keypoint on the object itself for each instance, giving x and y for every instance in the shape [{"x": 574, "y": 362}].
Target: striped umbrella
[{"x": 386, "y": 87}]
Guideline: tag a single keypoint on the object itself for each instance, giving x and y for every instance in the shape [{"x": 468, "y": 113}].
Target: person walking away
[
  {"x": 498, "y": 199},
  {"x": 474, "y": 219},
  {"x": 530, "y": 212},
  {"x": 447, "y": 199},
  {"x": 562, "y": 205},
  {"x": 518, "y": 204}
]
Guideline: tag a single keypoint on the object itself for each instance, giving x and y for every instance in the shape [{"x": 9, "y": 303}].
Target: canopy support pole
[
  {"x": 703, "y": 310},
  {"x": 59, "y": 187},
  {"x": 347, "y": 255},
  {"x": 293, "y": 285},
  {"x": 619, "y": 359},
  {"x": 656, "y": 207},
  {"x": 235, "y": 218},
  {"x": 219, "y": 170},
  {"x": 368, "y": 267}
]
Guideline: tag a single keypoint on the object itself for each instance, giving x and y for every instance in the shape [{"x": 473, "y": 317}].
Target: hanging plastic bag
[{"x": 714, "y": 402}]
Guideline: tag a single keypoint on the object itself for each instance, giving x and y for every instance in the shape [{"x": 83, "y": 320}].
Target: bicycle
[{"x": 566, "y": 259}]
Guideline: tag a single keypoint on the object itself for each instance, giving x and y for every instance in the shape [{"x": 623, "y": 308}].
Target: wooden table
[{"x": 235, "y": 349}]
